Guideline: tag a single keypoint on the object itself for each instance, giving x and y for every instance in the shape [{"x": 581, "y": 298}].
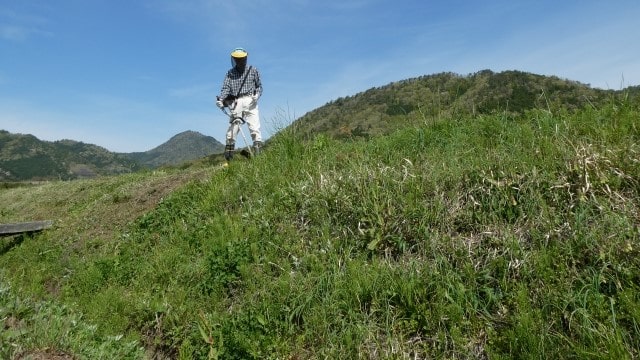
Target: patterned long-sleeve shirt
[{"x": 233, "y": 80}]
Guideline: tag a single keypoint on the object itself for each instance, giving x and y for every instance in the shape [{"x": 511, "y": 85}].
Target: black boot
[
  {"x": 228, "y": 151},
  {"x": 257, "y": 147}
]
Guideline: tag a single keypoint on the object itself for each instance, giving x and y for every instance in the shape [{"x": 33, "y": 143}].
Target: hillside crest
[{"x": 374, "y": 112}]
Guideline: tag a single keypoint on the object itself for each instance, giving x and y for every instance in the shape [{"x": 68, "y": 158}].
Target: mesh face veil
[{"x": 239, "y": 58}]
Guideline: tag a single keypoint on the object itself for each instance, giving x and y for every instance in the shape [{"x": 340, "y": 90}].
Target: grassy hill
[
  {"x": 382, "y": 110},
  {"x": 500, "y": 235}
]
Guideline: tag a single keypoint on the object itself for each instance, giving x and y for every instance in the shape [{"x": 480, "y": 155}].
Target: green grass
[
  {"x": 34, "y": 329},
  {"x": 486, "y": 237}
]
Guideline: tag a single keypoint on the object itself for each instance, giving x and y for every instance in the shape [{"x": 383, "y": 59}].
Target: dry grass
[{"x": 74, "y": 205}]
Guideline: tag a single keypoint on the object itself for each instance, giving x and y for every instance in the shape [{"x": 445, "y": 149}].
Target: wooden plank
[{"x": 19, "y": 228}]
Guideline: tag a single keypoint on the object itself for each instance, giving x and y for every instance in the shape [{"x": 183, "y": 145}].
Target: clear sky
[{"x": 129, "y": 74}]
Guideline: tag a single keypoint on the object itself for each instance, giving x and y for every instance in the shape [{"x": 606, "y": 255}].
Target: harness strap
[{"x": 243, "y": 81}]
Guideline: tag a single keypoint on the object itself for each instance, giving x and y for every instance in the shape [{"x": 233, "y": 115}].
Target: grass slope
[{"x": 486, "y": 237}]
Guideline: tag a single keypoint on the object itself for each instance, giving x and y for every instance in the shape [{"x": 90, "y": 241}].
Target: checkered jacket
[{"x": 234, "y": 78}]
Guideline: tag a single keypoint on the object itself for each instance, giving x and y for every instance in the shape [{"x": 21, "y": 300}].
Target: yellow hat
[{"x": 239, "y": 53}]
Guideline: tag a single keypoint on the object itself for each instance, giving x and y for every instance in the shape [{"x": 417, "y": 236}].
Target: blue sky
[{"x": 128, "y": 75}]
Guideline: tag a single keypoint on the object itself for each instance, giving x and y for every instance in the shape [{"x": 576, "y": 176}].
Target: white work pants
[{"x": 246, "y": 108}]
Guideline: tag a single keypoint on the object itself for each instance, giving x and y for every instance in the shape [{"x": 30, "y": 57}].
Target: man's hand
[
  {"x": 219, "y": 103},
  {"x": 254, "y": 98}
]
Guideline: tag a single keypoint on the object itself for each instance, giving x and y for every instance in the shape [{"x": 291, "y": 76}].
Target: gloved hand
[
  {"x": 254, "y": 98},
  {"x": 219, "y": 103}
]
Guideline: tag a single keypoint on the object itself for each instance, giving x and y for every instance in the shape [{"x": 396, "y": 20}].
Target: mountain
[
  {"x": 186, "y": 146},
  {"x": 381, "y": 110},
  {"x": 25, "y": 157}
]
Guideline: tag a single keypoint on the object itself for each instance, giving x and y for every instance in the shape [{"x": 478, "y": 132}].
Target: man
[{"x": 240, "y": 92}]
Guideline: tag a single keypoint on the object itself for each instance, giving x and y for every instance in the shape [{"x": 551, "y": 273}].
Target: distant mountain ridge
[
  {"x": 183, "y": 147},
  {"x": 25, "y": 157}
]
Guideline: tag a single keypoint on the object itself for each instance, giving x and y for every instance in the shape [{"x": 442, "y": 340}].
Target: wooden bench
[{"x": 25, "y": 227}]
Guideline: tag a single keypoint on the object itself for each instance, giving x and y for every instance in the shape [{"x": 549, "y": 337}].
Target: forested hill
[
  {"x": 383, "y": 109},
  {"x": 25, "y": 157},
  {"x": 181, "y": 148}
]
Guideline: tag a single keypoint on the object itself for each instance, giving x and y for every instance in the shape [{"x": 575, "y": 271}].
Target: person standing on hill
[{"x": 240, "y": 92}]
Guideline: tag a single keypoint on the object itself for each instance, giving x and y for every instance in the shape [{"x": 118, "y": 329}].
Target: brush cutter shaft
[{"x": 245, "y": 141}]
